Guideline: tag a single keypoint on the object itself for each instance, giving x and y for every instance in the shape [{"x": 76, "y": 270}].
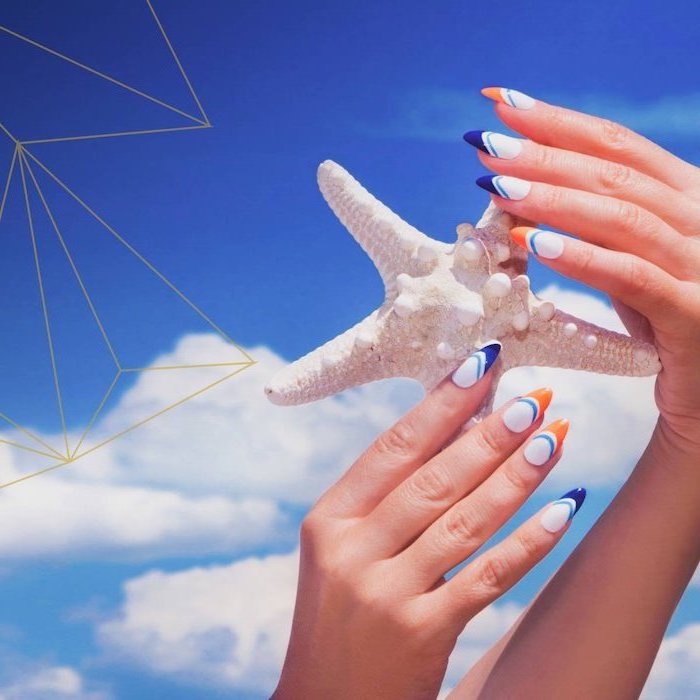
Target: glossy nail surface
[
  {"x": 516, "y": 99},
  {"x": 525, "y": 410},
  {"x": 561, "y": 511},
  {"x": 544, "y": 444},
  {"x": 544, "y": 244},
  {"x": 505, "y": 186},
  {"x": 476, "y": 365},
  {"x": 497, "y": 145}
]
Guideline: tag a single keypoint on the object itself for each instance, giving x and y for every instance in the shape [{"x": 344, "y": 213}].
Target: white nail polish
[
  {"x": 502, "y": 146},
  {"x": 539, "y": 450},
  {"x": 558, "y": 514},
  {"x": 511, "y": 187},
  {"x": 517, "y": 99},
  {"x": 476, "y": 365},
  {"x": 545, "y": 244},
  {"x": 525, "y": 410}
]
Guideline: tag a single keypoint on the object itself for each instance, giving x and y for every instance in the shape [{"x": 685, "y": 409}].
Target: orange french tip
[
  {"x": 519, "y": 235},
  {"x": 493, "y": 93},
  {"x": 560, "y": 428},
  {"x": 543, "y": 397}
]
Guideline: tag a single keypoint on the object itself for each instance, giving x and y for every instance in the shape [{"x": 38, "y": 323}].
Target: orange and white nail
[
  {"x": 541, "y": 448},
  {"x": 525, "y": 410},
  {"x": 543, "y": 244},
  {"x": 509, "y": 97}
]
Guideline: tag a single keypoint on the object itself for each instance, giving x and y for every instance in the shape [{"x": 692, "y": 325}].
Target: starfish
[{"x": 442, "y": 301}]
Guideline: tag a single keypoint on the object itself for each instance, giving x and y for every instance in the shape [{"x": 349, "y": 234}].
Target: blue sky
[{"x": 233, "y": 216}]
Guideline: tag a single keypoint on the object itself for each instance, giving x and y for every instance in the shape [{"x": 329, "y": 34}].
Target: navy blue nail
[
  {"x": 490, "y": 354},
  {"x": 475, "y": 138},
  {"x": 576, "y": 495},
  {"x": 486, "y": 183}
]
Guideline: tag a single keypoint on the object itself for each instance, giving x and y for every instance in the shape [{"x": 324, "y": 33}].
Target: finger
[
  {"x": 414, "y": 439},
  {"x": 494, "y": 572},
  {"x": 634, "y": 281},
  {"x": 470, "y": 522},
  {"x": 431, "y": 490},
  {"x": 605, "y": 221},
  {"x": 555, "y": 166},
  {"x": 574, "y": 131}
]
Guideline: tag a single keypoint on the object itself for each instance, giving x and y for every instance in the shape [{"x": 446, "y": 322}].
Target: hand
[
  {"x": 635, "y": 211},
  {"x": 374, "y": 616}
]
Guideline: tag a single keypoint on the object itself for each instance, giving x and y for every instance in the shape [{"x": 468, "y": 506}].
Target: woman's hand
[
  {"x": 634, "y": 210},
  {"x": 374, "y": 614}
]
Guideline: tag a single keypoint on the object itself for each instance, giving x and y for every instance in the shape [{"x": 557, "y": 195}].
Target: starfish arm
[
  {"x": 568, "y": 342},
  {"x": 343, "y": 362},
  {"x": 392, "y": 244}
]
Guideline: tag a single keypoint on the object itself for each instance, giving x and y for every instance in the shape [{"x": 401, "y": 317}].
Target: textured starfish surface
[{"x": 441, "y": 302}]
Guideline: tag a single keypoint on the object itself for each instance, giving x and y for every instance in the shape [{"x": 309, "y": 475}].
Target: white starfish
[{"x": 441, "y": 302}]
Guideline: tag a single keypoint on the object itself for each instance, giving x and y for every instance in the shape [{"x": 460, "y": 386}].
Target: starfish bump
[{"x": 442, "y": 301}]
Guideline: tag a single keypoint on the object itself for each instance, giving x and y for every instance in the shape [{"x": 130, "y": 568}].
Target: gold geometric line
[
  {"x": 177, "y": 60},
  {"x": 7, "y": 133},
  {"x": 160, "y": 412},
  {"x": 78, "y": 277},
  {"x": 29, "y": 449},
  {"x": 116, "y": 134},
  {"x": 42, "y": 295},
  {"x": 31, "y": 435},
  {"x": 96, "y": 413},
  {"x": 7, "y": 183},
  {"x": 168, "y": 367},
  {"x": 99, "y": 74},
  {"x": 138, "y": 255}
]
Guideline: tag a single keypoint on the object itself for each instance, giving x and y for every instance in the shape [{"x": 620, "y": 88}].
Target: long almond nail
[
  {"x": 525, "y": 410},
  {"x": 543, "y": 244},
  {"x": 505, "y": 186},
  {"x": 544, "y": 444},
  {"x": 497, "y": 145},
  {"x": 476, "y": 365},
  {"x": 513, "y": 98},
  {"x": 560, "y": 512}
]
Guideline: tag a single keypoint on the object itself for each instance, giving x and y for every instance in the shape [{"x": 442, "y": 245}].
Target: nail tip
[
  {"x": 475, "y": 138},
  {"x": 577, "y": 495},
  {"x": 486, "y": 183}
]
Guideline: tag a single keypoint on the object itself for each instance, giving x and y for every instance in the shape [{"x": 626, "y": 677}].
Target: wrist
[{"x": 675, "y": 451}]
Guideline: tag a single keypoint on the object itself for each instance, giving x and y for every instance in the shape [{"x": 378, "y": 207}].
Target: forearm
[{"x": 601, "y": 618}]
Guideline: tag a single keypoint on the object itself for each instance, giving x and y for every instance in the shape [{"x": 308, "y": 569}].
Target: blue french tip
[
  {"x": 486, "y": 183},
  {"x": 491, "y": 353},
  {"x": 577, "y": 495},
  {"x": 476, "y": 139}
]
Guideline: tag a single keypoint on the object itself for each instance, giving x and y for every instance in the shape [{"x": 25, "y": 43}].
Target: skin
[
  {"x": 374, "y": 616},
  {"x": 634, "y": 212}
]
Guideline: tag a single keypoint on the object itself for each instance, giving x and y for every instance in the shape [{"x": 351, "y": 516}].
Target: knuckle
[
  {"x": 494, "y": 574},
  {"x": 552, "y": 198},
  {"x": 529, "y": 544},
  {"x": 587, "y": 260},
  {"x": 615, "y": 135},
  {"x": 515, "y": 478},
  {"x": 310, "y": 527},
  {"x": 543, "y": 158},
  {"x": 628, "y": 217},
  {"x": 461, "y": 528},
  {"x": 614, "y": 176},
  {"x": 431, "y": 484},
  {"x": 488, "y": 440},
  {"x": 398, "y": 441}
]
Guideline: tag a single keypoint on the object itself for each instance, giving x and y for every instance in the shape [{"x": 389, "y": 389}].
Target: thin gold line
[
  {"x": 93, "y": 310},
  {"x": 8, "y": 134},
  {"x": 47, "y": 324},
  {"x": 159, "y": 413},
  {"x": 29, "y": 449},
  {"x": 30, "y": 434},
  {"x": 116, "y": 134},
  {"x": 7, "y": 184},
  {"x": 167, "y": 367},
  {"x": 96, "y": 413},
  {"x": 98, "y": 73},
  {"x": 140, "y": 257},
  {"x": 177, "y": 60}
]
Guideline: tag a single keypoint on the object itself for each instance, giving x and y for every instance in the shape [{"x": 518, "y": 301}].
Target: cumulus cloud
[
  {"x": 31, "y": 681},
  {"x": 675, "y": 671}
]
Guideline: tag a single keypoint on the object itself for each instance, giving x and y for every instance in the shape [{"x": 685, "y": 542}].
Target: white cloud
[
  {"x": 45, "y": 682},
  {"x": 675, "y": 671}
]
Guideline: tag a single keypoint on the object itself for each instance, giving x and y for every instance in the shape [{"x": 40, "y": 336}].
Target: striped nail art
[
  {"x": 505, "y": 186},
  {"x": 509, "y": 97},
  {"x": 497, "y": 145},
  {"x": 476, "y": 365},
  {"x": 525, "y": 410},
  {"x": 545, "y": 443},
  {"x": 560, "y": 512},
  {"x": 543, "y": 244}
]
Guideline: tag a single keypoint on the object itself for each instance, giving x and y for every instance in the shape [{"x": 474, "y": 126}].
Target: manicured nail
[
  {"x": 497, "y": 145},
  {"x": 560, "y": 512},
  {"x": 525, "y": 410},
  {"x": 509, "y": 97},
  {"x": 505, "y": 186},
  {"x": 543, "y": 244},
  {"x": 476, "y": 365},
  {"x": 545, "y": 443}
]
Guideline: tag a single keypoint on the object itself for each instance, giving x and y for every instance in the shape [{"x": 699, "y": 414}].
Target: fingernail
[
  {"x": 476, "y": 365},
  {"x": 505, "y": 186},
  {"x": 510, "y": 97},
  {"x": 560, "y": 512},
  {"x": 543, "y": 244},
  {"x": 525, "y": 410},
  {"x": 545, "y": 443},
  {"x": 497, "y": 145}
]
